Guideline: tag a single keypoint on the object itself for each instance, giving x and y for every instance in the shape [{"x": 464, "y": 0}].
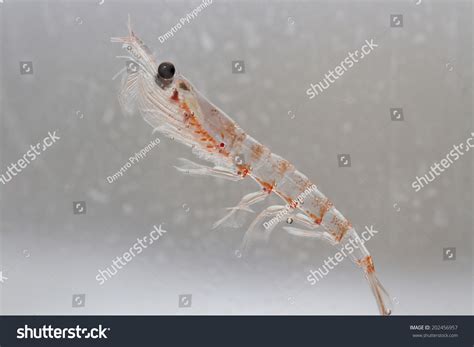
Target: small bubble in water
[
  {"x": 238, "y": 160},
  {"x": 186, "y": 208},
  {"x": 289, "y": 220},
  {"x": 238, "y": 254}
]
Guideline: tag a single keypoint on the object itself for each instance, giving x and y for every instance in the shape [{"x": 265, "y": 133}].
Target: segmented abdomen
[{"x": 275, "y": 174}]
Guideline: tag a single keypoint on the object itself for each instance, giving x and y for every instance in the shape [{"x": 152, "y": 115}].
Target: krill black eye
[
  {"x": 166, "y": 71},
  {"x": 165, "y": 74}
]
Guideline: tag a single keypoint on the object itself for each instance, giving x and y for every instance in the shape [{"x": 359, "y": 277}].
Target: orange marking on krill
[
  {"x": 234, "y": 136},
  {"x": 326, "y": 206},
  {"x": 283, "y": 167},
  {"x": 257, "y": 151},
  {"x": 368, "y": 263},
  {"x": 244, "y": 170},
  {"x": 175, "y": 95},
  {"x": 267, "y": 187},
  {"x": 184, "y": 105},
  {"x": 199, "y": 129},
  {"x": 292, "y": 203},
  {"x": 322, "y": 205},
  {"x": 342, "y": 227},
  {"x": 317, "y": 220}
]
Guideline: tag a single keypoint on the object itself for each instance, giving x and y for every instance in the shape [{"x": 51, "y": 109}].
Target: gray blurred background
[{"x": 49, "y": 254}]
